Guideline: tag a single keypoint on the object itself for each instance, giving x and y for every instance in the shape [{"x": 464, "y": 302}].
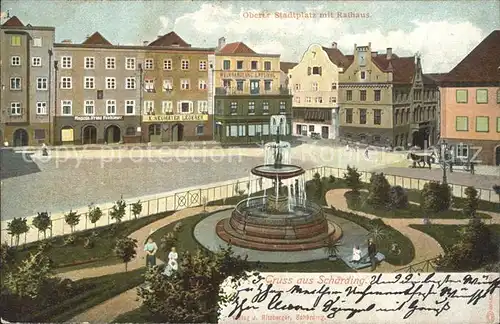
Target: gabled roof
[
  {"x": 403, "y": 68},
  {"x": 337, "y": 57},
  {"x": 433, "y": 78},
  {"x": 287, "y": 66},
  {"x": 236, "y": 48},
  {"x": 13, "y": 22},
  {"x": 96, "y": 39},
  {"x": 481, "y": 65},
  {"x": 170, "y": 39}
]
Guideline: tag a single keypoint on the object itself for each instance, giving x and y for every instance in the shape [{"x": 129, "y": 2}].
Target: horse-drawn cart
[{"x": 421, "y": 159}]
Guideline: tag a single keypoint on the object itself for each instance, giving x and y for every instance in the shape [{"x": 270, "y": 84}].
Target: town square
[{"x": 143, "y": 168}]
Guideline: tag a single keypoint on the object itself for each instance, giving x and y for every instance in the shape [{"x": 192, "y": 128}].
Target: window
[
  {"x": 129, "y": 107},
  {"x": 42, "y": 84},
  {"x": 184, "y": 64},
  {"x": 202, "y": 84},
  {"x": 66, "y": 62},
  {"x": 318, "y": 100},
  {"x": 296, "y": 99},
  {"x": 498, "y": 124},
  {"x": 110, "y": 83},
  {"x": 130, "y": 130},
  {"x": 239, "y": 85},
  {"x": 36, "y": 61},
  {"x": 311, "y": 128},
  {"x": 149, "y": 85},
  {"x": 316, "y": 70},
  {"x": 334, "y": 86},
  {"x": 167, "y": 84},
  {"x": 462, "y": 151},
  {"x": 482, "y": 124},
  {"x": 241, "y": 130},
  {"x": 226, "y": 83},
  {"x": 265, "y": 108},
  {"x": 308, "y": 99},
  {"x": 482, "y": 96},
  {"x": 15, "y": 108},
  {"x": 89, "y": 83},
  {"x": 66, "y": 107},
  {"x": 267, "y": 85},
  {"x": 89, "y": 107},
  {"x": 282, "y": 106},
  {"x": 348, "y": 116},
  {"x": 462, "y": 124},
  {"x": 110, "y": 63},
  {"x": 363, "y": 75},
  {"x": 233, "y": 107},
  {"x": 377, "y": 116},
  {"x": 15, "y": 40},
  {"x": 199, "y": 130},
  {"x": 167, "y": 107},
  {"x": 239, "y": 65},
  {"x": 202, "y": 107},
  {"x": 362, "y": 95},
  {"x": 376, "y": 95},
  {"x": 15, "y": 83},
  {"x": 186, "y": 107},
  {"x": 41, "y": 108},
  {"x": 267, "y": 66},
  {"x": 185, "y": 84},
  {"x": 148, "y": 64},
  {"x": 461, "y": 96},
  {"x": 362, "y": 116},
  {"x": 149, "y": 107},
  {"x": 15, "y": 60},
  {"x": 315, "y": 86},
  {"x": 226, "y": 65},
  {"x": 251, "y": 130},
  {"x": 37, "y": 42},
  {"x": 130, "y": 63},
  {"x": 297, "y": 86},
  {"x": 498, "y": 96},
  {"x": 89, "y": 63},
  {"x": 232, "y": 131},
  {"x": 130, "y": 83},
  {"x": 333, "y": 99},
  {"x": 254, "y": 65},
  {"x": 167, "y": 64},
  {"x": 348, "y": 95},
  {"x": 265, "y": 129},
  {"x": 251, "y": 107},
  {"x": 110, "y": 107},
  {"x": 100, "y": 94},
  {"x": 202, "y": 65}
]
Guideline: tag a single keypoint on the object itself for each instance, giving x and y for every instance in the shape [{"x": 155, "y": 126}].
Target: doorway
[
  {"x": 89, "y": 135},
  {"x": 177, "y": 132},
  {"x": 154, "y": 131},
  {"x": 112, "y": 134},
  {"x": 324, "y": 131},
  {"x": 497, "y": 155},
  {"x": 20, "y": 137}
]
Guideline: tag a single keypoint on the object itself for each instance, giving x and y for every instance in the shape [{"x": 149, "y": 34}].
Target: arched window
[
  {"x": 362, "y": 137},
  {"x": 396, "y": 115},
  {"x": 376, "y": 138}
]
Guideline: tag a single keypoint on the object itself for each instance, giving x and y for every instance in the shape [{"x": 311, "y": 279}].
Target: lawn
[
  {"x": 61, "y": 305},
  {"x": 75, "y": 256},
  {"x": 413, "y": 211},
  {"x": 414, "y": 195}
]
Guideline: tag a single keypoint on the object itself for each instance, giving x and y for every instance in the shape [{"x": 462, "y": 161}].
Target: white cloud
[
  {"x": 441, "y": 44},
  {"x": 165, "y": 24}
]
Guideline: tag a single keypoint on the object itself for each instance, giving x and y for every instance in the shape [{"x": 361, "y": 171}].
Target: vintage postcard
[{"x": 250, "y": 161}]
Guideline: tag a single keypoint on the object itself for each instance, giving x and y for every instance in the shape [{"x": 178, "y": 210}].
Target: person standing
[
  {"x": 151, "y": 248},
  {"x": 372, "y": 252}
]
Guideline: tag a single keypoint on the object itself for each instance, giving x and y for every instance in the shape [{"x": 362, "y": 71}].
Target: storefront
[
  {"x": 177, "y": 128},
  {"x": 24, "y": 134},
  {"x": 107, "y": 129}
]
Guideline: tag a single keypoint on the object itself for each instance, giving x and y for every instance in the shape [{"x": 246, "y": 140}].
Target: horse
[{"x": 421, "y": 160}]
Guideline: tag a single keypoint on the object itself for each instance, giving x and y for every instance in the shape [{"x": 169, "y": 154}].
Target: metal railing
[
  {"x": 428, "y": 265},
  {"x": 197, "y": 197}
]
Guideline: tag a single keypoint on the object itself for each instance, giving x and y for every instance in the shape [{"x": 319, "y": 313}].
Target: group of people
[
  {"x": 372, "y": 252},
  {"x": 151, "y": 248}
]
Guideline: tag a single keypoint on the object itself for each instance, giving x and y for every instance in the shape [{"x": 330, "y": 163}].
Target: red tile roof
[
  {"x": 433, "y": 78},
  {"x": 287, "y": 66},
  {"x": 236, "y": 48},
  {"x": 170, "y": 39},
  {"x": 13, "y": 22},
  {"x": 96, "y": 39},
  {"x": 337, "y": 57},
  {"x": 481, "y": 65},
  {"x": 403, "y": 68}
]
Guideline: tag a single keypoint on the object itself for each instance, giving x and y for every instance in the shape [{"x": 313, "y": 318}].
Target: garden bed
[
  {"x": 359, "y": 203},
  {"x": 414, "y": 195}
]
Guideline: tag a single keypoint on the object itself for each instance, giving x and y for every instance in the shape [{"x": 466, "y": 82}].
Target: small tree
[
  {"x": 332, "y": 248},
  {"x": 168, "y": 241},
  {"x": 72, "y": 219},
  {"x": 435, "y": 197},
  {"x": 125, "y": 250},
  {"x": 318, "y": 186},
  {"x": 378, "y": 195},
  {"x": 398, "y": 198},
  {"x": 471, "y": 201},
  {"x": 16, "y": 227},
  {"x": 6, "y": 255},
  {"x": 118, "y": 211},
  {"x": 95, "y": 213},
  {"x": 353, "y": 179},
  {"x": 136, "y": 209},
  {"x": 42, "y": 223}
]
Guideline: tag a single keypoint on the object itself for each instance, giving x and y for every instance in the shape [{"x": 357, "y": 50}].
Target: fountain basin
[{"x": 284, "y": 171}]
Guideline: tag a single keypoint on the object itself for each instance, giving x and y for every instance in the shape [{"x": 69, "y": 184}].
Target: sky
[{"x": 443, "y": 32}]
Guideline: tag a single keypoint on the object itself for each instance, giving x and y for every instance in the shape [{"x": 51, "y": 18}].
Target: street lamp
[{"x": 443, "y": 156}]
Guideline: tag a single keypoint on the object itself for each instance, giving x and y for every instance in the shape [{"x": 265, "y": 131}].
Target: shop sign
[
  {"x": 99, "y": 118},
  {"x": 247, "y": 75},
  {"x": 174, "y": 118}
]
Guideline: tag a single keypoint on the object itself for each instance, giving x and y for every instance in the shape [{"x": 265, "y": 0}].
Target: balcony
[{"x": 233, "y": 91}]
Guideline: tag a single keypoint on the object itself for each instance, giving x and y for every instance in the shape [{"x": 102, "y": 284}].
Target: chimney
[
  {"x": 222, "y": 43},
  {"x": 374, "y": 54},
  {"x": 389, "y": 53},
  {"x": 334, "y": 44},
  {"x": 67, "y": 41},
  {"x": 145, "y": 43}
]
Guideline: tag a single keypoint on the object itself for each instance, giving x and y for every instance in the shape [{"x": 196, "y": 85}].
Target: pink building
[{"x": 470, "y": 104}]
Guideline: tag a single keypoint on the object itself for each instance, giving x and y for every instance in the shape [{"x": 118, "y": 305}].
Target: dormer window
[
  {"x": 363, "y": 75},
  {"x": 316, "y": 70}
]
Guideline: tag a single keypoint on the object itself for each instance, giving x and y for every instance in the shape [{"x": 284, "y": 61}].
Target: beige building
[
  {"x": 26, "y": 93},
  {"x": 110, "y": 93},
  {"x": 314, "y": 83}
]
